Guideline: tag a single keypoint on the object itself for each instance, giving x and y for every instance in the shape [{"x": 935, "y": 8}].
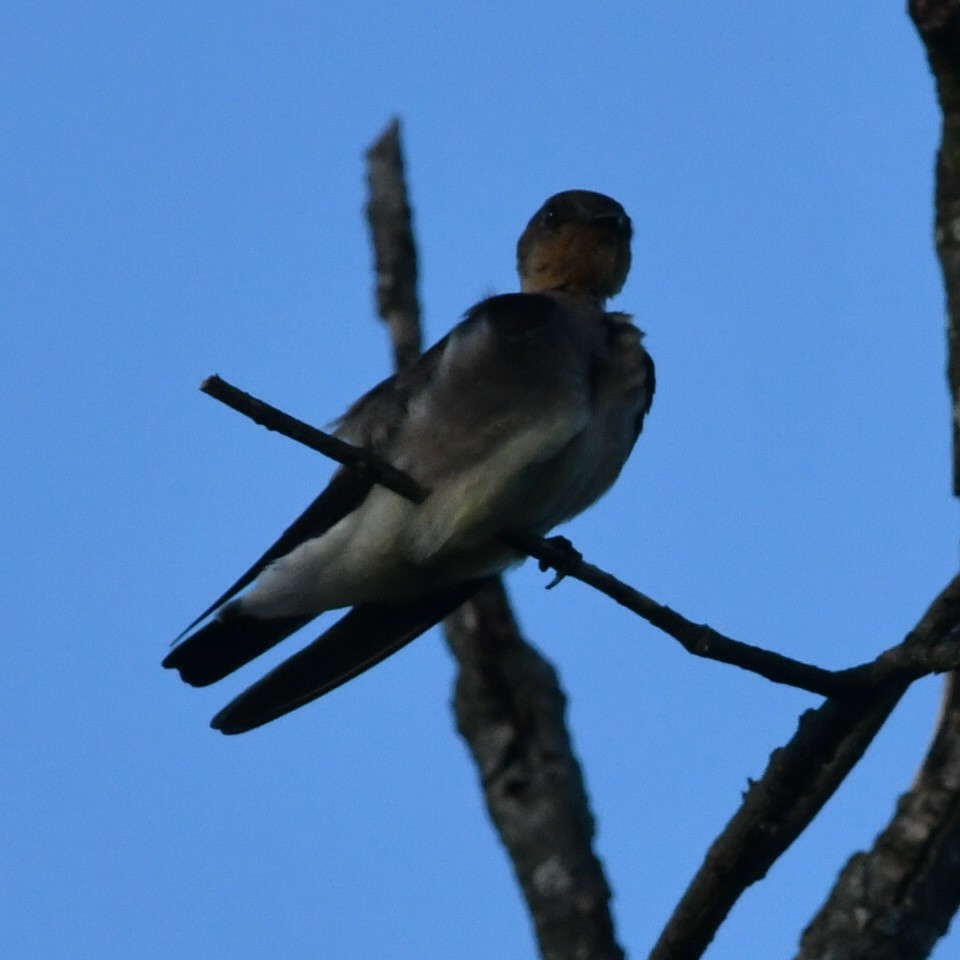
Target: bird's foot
[{"x": 567, "y": 557}]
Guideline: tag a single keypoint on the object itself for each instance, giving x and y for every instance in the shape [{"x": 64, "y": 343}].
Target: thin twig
[
  {"x": 698, "y": 639},
  {"x": 801, "y": 777},
  {"x": 326, "y": 443}
]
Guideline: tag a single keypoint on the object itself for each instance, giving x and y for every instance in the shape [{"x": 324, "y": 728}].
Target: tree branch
[
  {"x": 511, "y": 711},
  {"x": 938, "y": 23},
  {"x": 896, "y": 900},
  {"x": 700, "y": 640},
  {"x": 394, "y": 248},
  {"x": 800, "y": 778},
  {"x": 330, "y": 446},
  {"x": 508, "y": 701}
]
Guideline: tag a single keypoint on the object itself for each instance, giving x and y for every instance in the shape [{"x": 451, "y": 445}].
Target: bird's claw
[{"x": 568, "y": 556}]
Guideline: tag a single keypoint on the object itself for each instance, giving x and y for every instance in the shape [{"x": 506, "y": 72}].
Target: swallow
[{"x": 519, "y": 419}]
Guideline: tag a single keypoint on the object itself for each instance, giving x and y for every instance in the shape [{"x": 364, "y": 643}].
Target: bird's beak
[{"x": 620, "y": 220}]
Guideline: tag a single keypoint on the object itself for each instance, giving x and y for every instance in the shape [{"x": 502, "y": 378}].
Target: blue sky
[{"x": 182, "y": 187}]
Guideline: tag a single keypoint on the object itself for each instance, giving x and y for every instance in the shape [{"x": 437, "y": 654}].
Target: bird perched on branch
[{"x": 519, "y": 419}]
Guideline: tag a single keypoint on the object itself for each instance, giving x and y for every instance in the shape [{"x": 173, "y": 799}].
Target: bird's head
[{"x": 577, "y": 242}]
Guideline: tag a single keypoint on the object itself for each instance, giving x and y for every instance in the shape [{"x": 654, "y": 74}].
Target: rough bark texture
[
  {"x": 510, "y": 710},
  {"x": 800, "y": 778},
  {"x": 896, "y": 901},
  {"x": 893, "y": 902},
  {"x": 509, "y": 705},
  {"x": 394, "y": 248},
  {"x": 938, "y": 22}
]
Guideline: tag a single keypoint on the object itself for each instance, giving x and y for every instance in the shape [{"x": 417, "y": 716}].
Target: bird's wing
[
  {"x": 650, "y": 385},
  {"x": 370, "y": 422},
  {"x": 507, "y": 388},
  {"x": 624, "y": 379},
  {"x": 366, "y": 635},
  {"x": 232, "y": 640},
  {"x": 374, "y": 419},
  {"x": 507, "y": 364},
  {"x": 511, "y": 390}
]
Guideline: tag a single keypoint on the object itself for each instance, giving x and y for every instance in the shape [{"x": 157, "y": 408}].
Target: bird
[{"x": 520, "y": 418}]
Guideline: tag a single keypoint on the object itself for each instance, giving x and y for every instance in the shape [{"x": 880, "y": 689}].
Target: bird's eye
[{"x": 550, "y": 217}]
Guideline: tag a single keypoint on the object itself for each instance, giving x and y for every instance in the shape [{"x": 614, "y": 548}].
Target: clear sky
[{"x": 182, "y": 189}]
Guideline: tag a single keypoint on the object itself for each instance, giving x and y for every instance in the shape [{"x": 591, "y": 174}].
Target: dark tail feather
[
  {"x": 227, "y": 643},
  {"x": 365, "y": 636}
]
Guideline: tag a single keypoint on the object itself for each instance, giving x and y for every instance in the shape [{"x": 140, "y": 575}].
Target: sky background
[{"x": 182, "y": 187}]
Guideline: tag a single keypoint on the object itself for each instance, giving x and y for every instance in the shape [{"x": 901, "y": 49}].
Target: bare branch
[
  {"x": 510, "y": 709},
  {"x": 395, "y": 252},
  {"x": 534, "y": 791},
  {"x": 896, "y": 901},
  {"x": 700, "y": 640},
  {"x": 800, "y": 778},
  {"x": 906, "y": 661},
  {"x": 326, "y": 443},
  {"x": 938, "y": 22}
]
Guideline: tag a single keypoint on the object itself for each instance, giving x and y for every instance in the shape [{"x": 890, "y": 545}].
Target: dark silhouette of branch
[
  {"x": 896, "y": 900},
  {"x": 508, "y": 701},
  {"x": 510, "y": 709},
  {"x": 394, "y": 248},
  {"x": 800, "y": 778},
  {"x": 703, "y": 641},
  {"x": 798, "y": 782},
  {"x": 326, "y": 443},
  {"x": 938, "y": 23},
  {"x": 698, "y": 639},
  {"x": 905, "y": 661}
]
